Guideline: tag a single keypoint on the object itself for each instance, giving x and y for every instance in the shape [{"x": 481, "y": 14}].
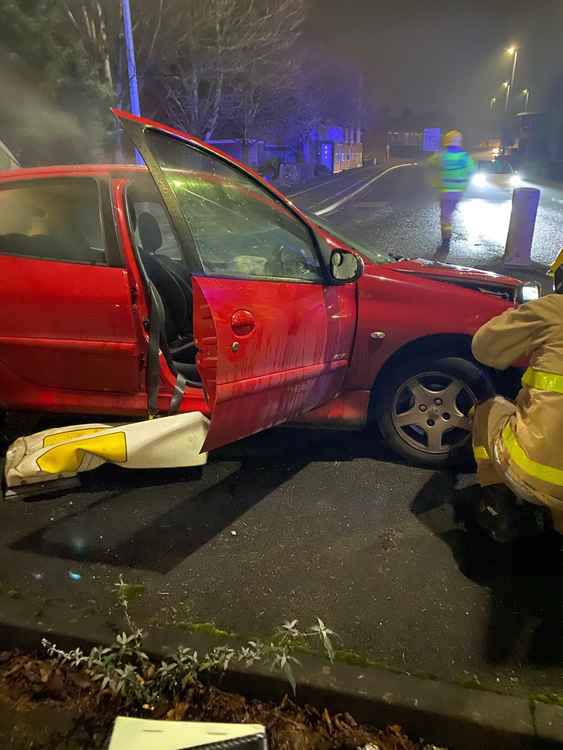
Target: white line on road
[
  {"x": 338, "y": 203},
  {"x": 313, "y": 187}
]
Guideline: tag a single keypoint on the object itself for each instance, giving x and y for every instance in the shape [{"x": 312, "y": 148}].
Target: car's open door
[{"x": 274, "y": 334}]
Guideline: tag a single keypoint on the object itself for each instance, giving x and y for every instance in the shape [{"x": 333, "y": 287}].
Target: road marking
[
  {"x": 335, "y": 195},
  {"x": 313, "y": 187},
  {"x": 327, "y": 182},
  {"x": 337, "y": 204}
]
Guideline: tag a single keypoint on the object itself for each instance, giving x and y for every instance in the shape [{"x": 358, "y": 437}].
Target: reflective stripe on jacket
[
  {"x": 453, "y": 168},
  {"x": 523, "y": 442}
]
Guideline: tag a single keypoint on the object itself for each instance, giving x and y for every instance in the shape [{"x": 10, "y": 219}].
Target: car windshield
[{"x": 372, "y": 253}]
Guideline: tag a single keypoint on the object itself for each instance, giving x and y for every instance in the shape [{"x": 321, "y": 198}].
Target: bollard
[{"x": 521, "y": 230}]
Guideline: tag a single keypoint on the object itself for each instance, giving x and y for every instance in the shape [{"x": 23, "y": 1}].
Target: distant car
[
  {"x": 498, "y": 175},
  {"x": 195, "y": 286}
]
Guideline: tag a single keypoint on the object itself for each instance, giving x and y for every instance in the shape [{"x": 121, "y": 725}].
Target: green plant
[
  {"x": 126, "y": 593},
  {"x": 126, "y": 672},
  {"x": 120, "y": 668}
]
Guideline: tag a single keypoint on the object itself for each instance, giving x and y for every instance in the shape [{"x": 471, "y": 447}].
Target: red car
[{"x": 194, "y": 285}]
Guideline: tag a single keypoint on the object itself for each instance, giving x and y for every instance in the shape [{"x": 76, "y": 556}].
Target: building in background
[
  {"x": 337, "y": 148},
  {"x": 404, "y": 142},
  {"x": 328, "y": 148}
]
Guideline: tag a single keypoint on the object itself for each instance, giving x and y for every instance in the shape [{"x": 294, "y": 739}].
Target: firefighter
[
  {"x": 452, "y": 170},
  {"x": 518, "y": 446}
]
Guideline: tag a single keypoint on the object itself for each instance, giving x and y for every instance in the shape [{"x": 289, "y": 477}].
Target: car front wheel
[{"x": 422, "y": 407}]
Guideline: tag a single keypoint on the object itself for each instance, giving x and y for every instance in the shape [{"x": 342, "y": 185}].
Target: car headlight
[
  {"x": 527, "y": 293},
  {"x": 479, "y": 180},
  {"x": 515, "y": 181}
]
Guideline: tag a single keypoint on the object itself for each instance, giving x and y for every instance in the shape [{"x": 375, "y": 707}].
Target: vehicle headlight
[
  {"x": 527, "y": 293},
  {"x": 515, "y": 181},
  {"x": 479, "y": 179}
]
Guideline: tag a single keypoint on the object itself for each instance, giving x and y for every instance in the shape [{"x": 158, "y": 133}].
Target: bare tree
[
  {"x": 99, "y": 26},
  {"x": 224, "y": 59}
]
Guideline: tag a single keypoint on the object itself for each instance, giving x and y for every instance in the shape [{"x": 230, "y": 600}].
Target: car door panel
[
  {"x": 270, "y": 345},
  {"x": 293, "y": 360},
  {"x": 68, "y": 325}
]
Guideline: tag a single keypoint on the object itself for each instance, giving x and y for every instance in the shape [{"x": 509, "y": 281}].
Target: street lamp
[
  {"x": 526, "y": 95},
  {"x": 514, "y": 52},
  {"x": 507, "y": 86},
  {"x": 493, "y": 102}
]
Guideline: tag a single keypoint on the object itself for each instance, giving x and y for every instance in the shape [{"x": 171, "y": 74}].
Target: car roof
[{"x": 69, "y": 170}]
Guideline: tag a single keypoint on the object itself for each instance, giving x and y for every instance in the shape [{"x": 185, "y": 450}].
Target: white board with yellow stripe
[{"x": 168, "y": 442}]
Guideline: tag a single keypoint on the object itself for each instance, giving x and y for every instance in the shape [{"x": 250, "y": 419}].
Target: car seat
[{"x": 175, "y": 292}]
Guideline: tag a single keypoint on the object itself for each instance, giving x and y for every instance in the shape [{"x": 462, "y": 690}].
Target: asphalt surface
[
  {"x": 399, "y": 214},
  {"x": 306, "y": 524}
]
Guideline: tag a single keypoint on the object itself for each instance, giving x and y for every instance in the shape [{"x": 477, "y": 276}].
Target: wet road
[
  {"x": 306, "y": 524},
  {"x": 399, "y": 214}
]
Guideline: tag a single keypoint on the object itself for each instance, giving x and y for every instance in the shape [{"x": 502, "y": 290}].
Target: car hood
[{"x": 472, "y": 278}]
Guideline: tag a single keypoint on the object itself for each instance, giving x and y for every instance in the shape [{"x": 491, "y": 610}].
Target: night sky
[{"x": 446, "y": 55}]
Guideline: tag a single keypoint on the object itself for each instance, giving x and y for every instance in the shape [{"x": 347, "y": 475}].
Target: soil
[{"x": 48, "y": 707}]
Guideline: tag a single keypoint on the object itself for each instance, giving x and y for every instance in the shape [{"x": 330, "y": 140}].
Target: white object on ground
[
  {"x": 167, "y": 442},
  {"x": 150, "y": 734}
]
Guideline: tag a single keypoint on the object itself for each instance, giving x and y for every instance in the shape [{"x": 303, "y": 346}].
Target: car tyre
[{"x": 422, "y": 408}]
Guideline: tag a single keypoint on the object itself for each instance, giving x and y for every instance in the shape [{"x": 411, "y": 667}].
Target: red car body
[{"x": 74, "y": 336}]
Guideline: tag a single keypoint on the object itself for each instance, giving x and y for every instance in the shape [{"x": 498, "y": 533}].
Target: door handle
[{"x": 243, "y": 323}]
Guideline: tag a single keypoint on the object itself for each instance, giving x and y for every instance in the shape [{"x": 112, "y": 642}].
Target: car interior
[
  {"x": 162, "y": 264},
  {"x": 53, "y": 220}
]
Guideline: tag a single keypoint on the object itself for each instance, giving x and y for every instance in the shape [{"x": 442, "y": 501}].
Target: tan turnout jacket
[{"x": 521, "y": 444}]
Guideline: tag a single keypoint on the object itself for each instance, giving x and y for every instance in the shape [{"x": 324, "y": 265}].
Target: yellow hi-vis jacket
[{"x": 521, "y": 444}]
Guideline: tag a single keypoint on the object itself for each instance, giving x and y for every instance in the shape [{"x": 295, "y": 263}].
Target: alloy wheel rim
[{"x": 431, "y": 412}]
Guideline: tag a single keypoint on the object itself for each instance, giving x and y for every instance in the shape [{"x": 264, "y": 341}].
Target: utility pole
[
  {"x": 131, "y": 67},
  {"x": 131, "y": 64}
]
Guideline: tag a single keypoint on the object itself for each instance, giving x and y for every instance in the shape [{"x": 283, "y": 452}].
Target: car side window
[
  {"x": 239, "y": 228},
  {"x": 53, "y": 219},
  {"x": 149, "y": 221}
]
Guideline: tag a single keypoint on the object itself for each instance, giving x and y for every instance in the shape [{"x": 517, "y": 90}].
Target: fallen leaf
[
  {"x": 80, "y": 681},
  {"x": 55, "y": 686},
  {"x": 177, "y": 713},
  {"x": 44, "y": 672}
]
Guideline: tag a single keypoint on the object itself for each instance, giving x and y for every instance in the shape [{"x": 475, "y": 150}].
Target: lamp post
[
  {"x": 507, "y": 86},
  {"x": 526, "y": 95},
  {"x": 514, "y": 52},
  {"x": 492, "y": 103}
]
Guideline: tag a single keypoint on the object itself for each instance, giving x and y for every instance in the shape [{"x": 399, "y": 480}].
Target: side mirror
[{"x": 345, "y": 266}]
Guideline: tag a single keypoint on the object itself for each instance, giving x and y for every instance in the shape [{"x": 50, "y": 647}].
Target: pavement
[{"x": 306, "y": 524}]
